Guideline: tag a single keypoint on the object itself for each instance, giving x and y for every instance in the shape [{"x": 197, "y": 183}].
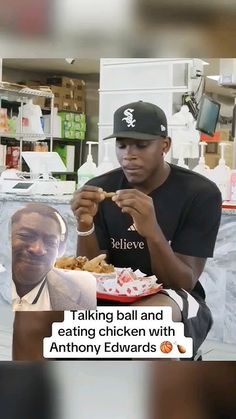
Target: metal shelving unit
[{"x": 22, "y": 94}]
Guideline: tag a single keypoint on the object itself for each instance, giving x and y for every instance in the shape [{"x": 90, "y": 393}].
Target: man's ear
[{"x": 166, "y": 144}]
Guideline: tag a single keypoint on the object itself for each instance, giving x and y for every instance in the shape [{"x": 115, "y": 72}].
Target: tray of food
[
  {"x": 113, "y": 283},
  {"x": 122, "y": 298}
]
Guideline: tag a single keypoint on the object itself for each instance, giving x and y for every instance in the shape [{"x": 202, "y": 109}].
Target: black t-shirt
[{"x": 188, "y": 210}]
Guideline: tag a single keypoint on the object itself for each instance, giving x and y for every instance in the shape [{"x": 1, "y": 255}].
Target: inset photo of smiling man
[{"x": 39, "y": 235}]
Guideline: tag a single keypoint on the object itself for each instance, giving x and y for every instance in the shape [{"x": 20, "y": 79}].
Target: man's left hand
[{"x": 140, "y": 207}]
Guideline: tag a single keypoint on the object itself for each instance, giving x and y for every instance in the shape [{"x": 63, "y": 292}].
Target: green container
[
  {"x": 69, "y": 134},
  {"x": 66, "y": 116},
  {"x": 61, "y": 150},
  {"x": 67, "y": 125},
  {"x": 79, "y": 135},
  {"x": 80, "y": 117}
]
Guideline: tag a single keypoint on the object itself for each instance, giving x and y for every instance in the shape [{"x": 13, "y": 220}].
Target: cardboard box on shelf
[
  {"x": 33, "y": 84},
  {"x": 37, "y": 85},
  {"x": 79, "y": 95},
  {"x": 79, "y": 84},
  {"x": 59, "y": 81},
  {"x": 67, "y": 104},
  {"x": 68, "y": 82},
  {"x": 79, "y": 106},
  {"x": 57, "y": 91},
  {"x": 72, "y": 105},
  {"x": 41, "y": 87},
  {"x": 67, "y": 93}
]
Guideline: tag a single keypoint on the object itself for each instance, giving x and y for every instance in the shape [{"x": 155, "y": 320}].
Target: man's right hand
[{"x": 84, "y": 205}]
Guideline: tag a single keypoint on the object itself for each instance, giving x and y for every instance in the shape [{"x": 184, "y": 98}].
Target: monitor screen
[
  {"x": 43, "y": 162},
  {"x": 22, "y": 185},
  {"x": 208, "y": 115}
]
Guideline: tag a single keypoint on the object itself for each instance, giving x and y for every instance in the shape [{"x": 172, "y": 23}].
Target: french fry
[
  {"x": 109, "y": 194},
  {"x": 96, "y": 265},
  {"x": 71, "y": 263},
  {"x": 90, "y": 265},
  {"x": 66, "y": 263}
]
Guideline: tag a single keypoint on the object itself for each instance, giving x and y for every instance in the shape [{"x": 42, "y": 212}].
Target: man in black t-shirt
[{"x": 163, "y": 219}]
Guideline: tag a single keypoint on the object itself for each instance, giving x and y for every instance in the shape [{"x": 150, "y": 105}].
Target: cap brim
[{"x": 135, "y": 135}]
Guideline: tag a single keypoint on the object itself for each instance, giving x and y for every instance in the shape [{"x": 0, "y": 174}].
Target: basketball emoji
[
  {"x": 166, "y": 347},
  {"x": 181, "y": 349}
]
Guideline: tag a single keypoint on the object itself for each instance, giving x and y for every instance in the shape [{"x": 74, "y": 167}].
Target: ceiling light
[
  {"x": 216, "y": 78},
  {"x": 70, "y": 60}
]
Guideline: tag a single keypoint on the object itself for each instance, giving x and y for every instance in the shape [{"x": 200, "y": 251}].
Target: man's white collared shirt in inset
[{"x": 26, "y": 302}]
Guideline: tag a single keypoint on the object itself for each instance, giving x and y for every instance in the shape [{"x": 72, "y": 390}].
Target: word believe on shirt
[{"x": 123, "y": 244}]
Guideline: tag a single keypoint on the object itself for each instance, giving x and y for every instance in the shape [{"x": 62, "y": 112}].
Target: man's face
[
  {"x": 140, "y": 159},
  {"x": 35, "y": 243}
]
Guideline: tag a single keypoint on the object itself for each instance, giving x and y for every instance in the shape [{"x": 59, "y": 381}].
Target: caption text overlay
[{"x": 112, "y": 332}]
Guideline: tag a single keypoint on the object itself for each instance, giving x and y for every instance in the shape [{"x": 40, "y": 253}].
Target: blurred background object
[
  {"x": 26, "y": 391},
  {"x": 127, "y": 390},
  {"x": 192, "y": 28},
  {"x": 72, "y": 390},
  {"x": 102, "y": 389},
  {"x": 26, "y": 18},
  {"x": 135, "y": 28},
  {"x": 193, "y": 390}
]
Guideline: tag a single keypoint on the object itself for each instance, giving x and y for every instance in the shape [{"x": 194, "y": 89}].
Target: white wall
[{"x": 128, "y": 80}]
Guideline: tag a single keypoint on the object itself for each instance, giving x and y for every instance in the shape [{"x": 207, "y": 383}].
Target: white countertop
[{"x": 228, "y": 207}]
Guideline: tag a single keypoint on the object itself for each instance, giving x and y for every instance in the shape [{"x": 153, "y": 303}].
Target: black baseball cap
[{"x": 139, "y": 120}]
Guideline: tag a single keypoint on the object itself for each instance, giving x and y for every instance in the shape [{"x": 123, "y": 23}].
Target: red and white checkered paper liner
[{"x": 122, "y": 282}]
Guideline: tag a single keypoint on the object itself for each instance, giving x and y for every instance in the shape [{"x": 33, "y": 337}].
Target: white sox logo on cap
[
  {"x": 129, "y": 118},
  {"x": 140, "y": 121}
]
